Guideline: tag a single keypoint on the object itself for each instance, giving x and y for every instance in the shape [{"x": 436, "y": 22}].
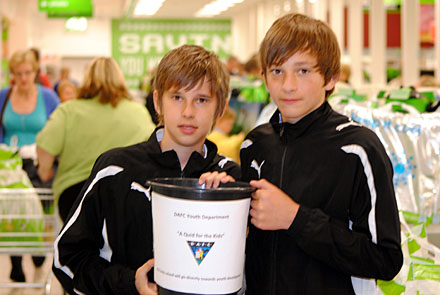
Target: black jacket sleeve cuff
[
  {"x": 299, "y": 223},
  {"x": 129, "y": 279}
]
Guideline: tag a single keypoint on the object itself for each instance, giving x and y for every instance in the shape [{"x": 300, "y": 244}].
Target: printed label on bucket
[{"x": 199, "y": 245}]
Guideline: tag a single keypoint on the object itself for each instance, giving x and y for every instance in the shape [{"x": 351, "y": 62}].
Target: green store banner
[
  {"x": 139, "y": 44},
  {"x": 66, "y": 8}
]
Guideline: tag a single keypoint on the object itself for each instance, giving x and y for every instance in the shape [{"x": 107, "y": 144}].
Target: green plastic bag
[
  {"x": 420, "y": 273},
  {"x": 21, "y": 212}
]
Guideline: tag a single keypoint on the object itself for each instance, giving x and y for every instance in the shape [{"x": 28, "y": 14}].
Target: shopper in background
[
  {"x": 324, "y": 218},
  {"x": 344, "y": 79},
  {"x": 40, "y": 78},
  {"x": 149, "y": 102},
  {"x": 234, "y": 66},
  {"x": 228, "y": 145},
  {"x": 252, "y": 67},
  {"x": 114, "y": 208},
  {"x": 25, "y": 108},
  {"x": 103, "y": 117},
  {"x": 253, "y": 88},
  {"x": 67, "y": 90},
  {"x": 64, "y": 75},
  {"x": 427, "y": 81}
]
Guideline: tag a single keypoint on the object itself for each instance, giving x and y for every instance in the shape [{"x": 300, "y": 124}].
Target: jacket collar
[
  {"x": 169, "y": 159},
  {"x": 288, "y": 130}
]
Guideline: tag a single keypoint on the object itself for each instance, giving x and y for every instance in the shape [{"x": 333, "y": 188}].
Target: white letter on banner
[
  {"x": 132, "y": 66},
  {"x": 169, "y": 41},
  {"x": 199, "y": 38},
  {"x": 153, "y": 40},
  {"x": 129, "y": 43},
  {"x": 152, "y": 62},
  {"x": 218, "y": 42}
]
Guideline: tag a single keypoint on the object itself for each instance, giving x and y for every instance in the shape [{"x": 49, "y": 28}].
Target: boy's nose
[
  {"x": 289, "y": 82},
  {"x": 188, "y": 110}
]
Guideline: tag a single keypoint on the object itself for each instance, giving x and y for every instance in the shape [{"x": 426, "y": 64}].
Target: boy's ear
[
  {"x": 156, "y": 102},
  {"x": 331, "y": 84}
]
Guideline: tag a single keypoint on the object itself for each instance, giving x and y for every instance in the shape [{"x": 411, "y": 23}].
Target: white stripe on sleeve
[
  {"x": 360, "y": 285},
  {"x": 108, "y": 171}
]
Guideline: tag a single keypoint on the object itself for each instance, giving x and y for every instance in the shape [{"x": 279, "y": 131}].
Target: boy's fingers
[
  {"x": 256, "y": 195},
  {"x": 153, "y": 287},
  {"x": 207, "y": 178},
  {"x": 150, "y": 264},
  {"x": 213, "y": 179},
  {"x": 203, "y": 178},
  {"x": 219, "y": 179},
  {"x": 142, "y": 284},
  {"x": 215, "y": 183},
  {"x": 228, "y": 178},
  {"x": 210, "y": 179},
  {"x": 254, "y": 204},
  {"x": 261, "y": 184}
]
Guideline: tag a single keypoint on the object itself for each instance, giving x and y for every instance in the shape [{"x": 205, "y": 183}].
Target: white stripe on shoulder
[
  {"x": 362, "y": 154},
  {"x": 223, "y": 161},
  {"x": 245, "y": 144},
  {"x": 363, "y": 286},
  {"x": 350, "y": 123},
  {"x": 137, "y": 187},
  {"x": 108, "y": 171},
  {"x": 78, "y": 292},
  {"x": 106, "y": 251}
]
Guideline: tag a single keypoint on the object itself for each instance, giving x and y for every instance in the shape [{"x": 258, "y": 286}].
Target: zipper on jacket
[
  {"x": 283, "y": 159},
  {"x": 275, "y": 236},
  {"x": 274, "y": 264}
]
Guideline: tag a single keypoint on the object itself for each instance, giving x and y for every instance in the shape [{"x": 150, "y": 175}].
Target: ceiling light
[
  {"x": 76, "y": 24},
  {"x": 147, "y": 7},
  {"x": 216, "y": 7}
]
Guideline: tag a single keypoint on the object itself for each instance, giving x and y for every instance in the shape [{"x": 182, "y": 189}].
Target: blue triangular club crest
[{"x": 200, "y": 249}]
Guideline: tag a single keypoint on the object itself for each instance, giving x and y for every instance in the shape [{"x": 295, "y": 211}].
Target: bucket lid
[{"x": 189, "y": 188}]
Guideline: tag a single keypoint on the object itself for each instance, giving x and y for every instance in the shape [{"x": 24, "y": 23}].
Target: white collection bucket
[{"x": 199, "y": 236}]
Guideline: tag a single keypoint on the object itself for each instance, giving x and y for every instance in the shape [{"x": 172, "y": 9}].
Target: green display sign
[
  {"x": 401, "y": 93},
  {"x": 66, "y": 8},
  {"x": 398, "y": 2},
  {"x": 139, "y": 44}
]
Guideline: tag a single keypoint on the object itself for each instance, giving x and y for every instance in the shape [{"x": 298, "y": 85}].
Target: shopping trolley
[{"x": 28, "y": 225}]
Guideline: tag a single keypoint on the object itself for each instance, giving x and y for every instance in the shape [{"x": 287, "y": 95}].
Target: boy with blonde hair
[
  {"x": 228, "y": 145},
  {"x": 106, "y": 245},
  {"x": 324, "y": 218}
]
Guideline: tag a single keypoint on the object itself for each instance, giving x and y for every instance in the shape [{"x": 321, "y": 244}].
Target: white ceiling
[{"x": 170, "y": 8}]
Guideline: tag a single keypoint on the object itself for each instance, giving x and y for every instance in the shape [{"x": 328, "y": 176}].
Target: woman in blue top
[
  {"x": 25, "y": 108},
  {"x": 29, "y": 105}
]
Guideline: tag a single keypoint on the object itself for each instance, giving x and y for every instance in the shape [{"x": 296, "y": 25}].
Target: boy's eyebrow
[
  {"x": 299, "y": 63},
  {"x": 201, "y": 94},
  {"x": 180, "y": 92}
]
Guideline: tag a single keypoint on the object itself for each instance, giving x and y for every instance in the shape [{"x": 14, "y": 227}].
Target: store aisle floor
[{"x": 29, "y": 268}]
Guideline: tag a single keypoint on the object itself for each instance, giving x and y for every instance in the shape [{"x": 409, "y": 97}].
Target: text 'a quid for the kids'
[{"x": 199, "y": 235}]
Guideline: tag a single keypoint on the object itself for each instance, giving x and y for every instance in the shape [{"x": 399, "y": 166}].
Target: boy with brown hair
[
  {"x": 106, "y": 245},
  {"x": 324, "y": 218}
]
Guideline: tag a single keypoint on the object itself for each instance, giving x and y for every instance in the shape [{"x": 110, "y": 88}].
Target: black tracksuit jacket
[
  {"x": 347, "y": 231},
  {"x": 108, "y": 234}
]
